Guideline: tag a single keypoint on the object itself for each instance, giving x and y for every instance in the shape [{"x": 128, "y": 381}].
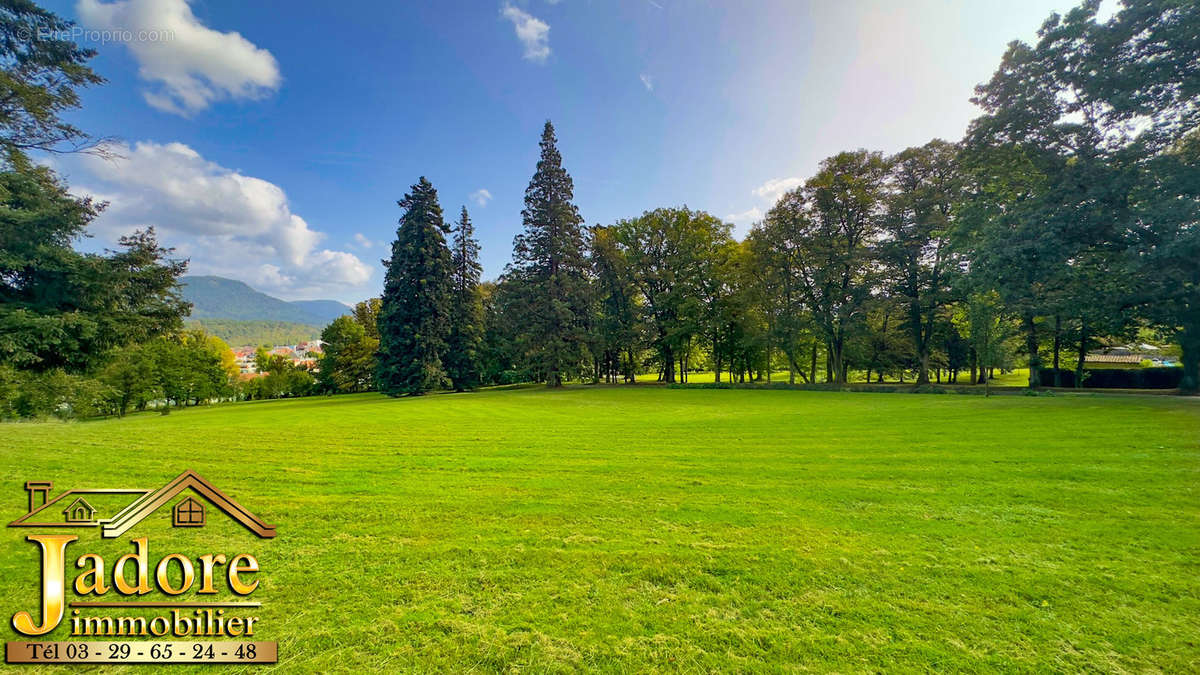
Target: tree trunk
[
  {"x": 813, "y": 369},
  {"x": 1189, "y": 341},
  {"x": 829, "y": 361},
  {"x": 716, "y": 357},
  {"x": 1031, "y": 347},
  {"x": 1057, "y": 347},
  {"x": 921, "y": 341},
  {"x": 842, "y": 365},
  {"x": 838, "y": 359},
  {"x": 923, "y": 373},
  {"x": 1079, "y": 365}
]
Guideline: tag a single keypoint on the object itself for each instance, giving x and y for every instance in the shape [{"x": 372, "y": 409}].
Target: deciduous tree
[
  {"x": 836, "y": 219},
  {"x": 348, "y": 359},
  {"x": 670, "y": 253},
  {"x": 926, "y": 188}
]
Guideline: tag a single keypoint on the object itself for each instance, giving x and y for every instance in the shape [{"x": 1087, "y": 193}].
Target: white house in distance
[{"x": 1129, "y": 355}]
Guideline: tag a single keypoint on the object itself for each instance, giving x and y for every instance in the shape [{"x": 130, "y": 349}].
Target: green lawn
[{"x": 644, "y": 528}]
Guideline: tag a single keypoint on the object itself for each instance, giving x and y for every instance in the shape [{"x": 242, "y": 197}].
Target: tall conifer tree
[
  {"x": 414, "y": 318},
  {"x": 466, "y": 311},
  {"x": 550, "y": 267}
]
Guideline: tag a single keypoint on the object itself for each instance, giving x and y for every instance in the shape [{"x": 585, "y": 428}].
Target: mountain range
[{"x": 221, "y": 298}]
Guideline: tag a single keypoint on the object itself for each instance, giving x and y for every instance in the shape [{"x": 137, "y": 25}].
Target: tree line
[
  {"x": 89, "y": 334},
  {"x": 1067, "y": 215}
]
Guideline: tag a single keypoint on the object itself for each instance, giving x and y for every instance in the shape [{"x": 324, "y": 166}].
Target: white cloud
[
  {"x": 775, "y": 188},
  {"x": 361, "y": 240},
  {"x": 647, "y": 81},
  {"x": 190, "y": 64},
  {"x": 745, "y": 217},
  {"x": 228, "y": 223},
  {"x": 533, "y": 33},
  {"x": 481, "y": 196}
]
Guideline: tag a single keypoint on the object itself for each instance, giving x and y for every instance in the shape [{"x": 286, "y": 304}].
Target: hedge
[{"x": 1118, "y": 378}]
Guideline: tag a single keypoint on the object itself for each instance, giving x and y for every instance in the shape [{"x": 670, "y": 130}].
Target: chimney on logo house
[{"x": 38, "y": 491}]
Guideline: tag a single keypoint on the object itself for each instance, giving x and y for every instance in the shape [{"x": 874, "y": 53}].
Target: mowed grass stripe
[{"x": 641, "y": 528}]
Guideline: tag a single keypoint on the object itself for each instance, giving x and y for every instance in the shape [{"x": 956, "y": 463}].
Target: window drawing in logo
[{"x": 187, "y": 512}]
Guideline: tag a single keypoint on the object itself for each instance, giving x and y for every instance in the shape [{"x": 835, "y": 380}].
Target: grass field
[{"x": 635, "y": 529}]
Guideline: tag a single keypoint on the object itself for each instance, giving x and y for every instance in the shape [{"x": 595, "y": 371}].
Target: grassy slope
[{"x": 638, "y": 529}]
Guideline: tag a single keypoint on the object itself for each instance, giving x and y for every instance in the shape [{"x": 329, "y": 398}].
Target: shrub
[
  {"x": 1119, "y": 378},
  {"x": 25, "y": 395},
  {"x": 1162, "y": 378},
  {"x": 1067, "y": 377},
  {"x": 514, "y": 377}
]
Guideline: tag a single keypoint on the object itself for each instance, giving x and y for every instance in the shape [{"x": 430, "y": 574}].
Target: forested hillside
[{"x": 244, "y": 333}]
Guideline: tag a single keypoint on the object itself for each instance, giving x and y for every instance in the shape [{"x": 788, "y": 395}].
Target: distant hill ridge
[
  {"x": 254, "y": 333},
  {"x": 220, "y": 298}
]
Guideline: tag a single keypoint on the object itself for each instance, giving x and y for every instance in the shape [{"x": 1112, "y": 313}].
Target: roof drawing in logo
[{"x": 74, "y": 508}]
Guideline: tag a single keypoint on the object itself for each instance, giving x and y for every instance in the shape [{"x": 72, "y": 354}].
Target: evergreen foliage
[
  {"x": 466, "y": 311},
  {"x": 550, "y": 269},
  {"x": 41, "y": 71},
  {"x": 414, "y": 318},
  {"x": 63, "y": 309}
]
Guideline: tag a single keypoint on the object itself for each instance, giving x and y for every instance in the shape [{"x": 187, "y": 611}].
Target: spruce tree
[
  {"x": 550, "y": 267},
  {"x": 414, "y": 318},
  {"x": 466, "y": 308}
]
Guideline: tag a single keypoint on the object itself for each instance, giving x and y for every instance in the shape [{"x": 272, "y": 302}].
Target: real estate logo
[{"x": 192, "y": 502}]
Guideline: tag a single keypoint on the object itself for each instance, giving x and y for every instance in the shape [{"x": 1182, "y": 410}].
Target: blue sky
[{"x": 269, "y": 142}]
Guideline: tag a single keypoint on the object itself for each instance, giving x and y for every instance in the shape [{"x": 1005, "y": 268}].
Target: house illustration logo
[{"x": 74, "y": 508}]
